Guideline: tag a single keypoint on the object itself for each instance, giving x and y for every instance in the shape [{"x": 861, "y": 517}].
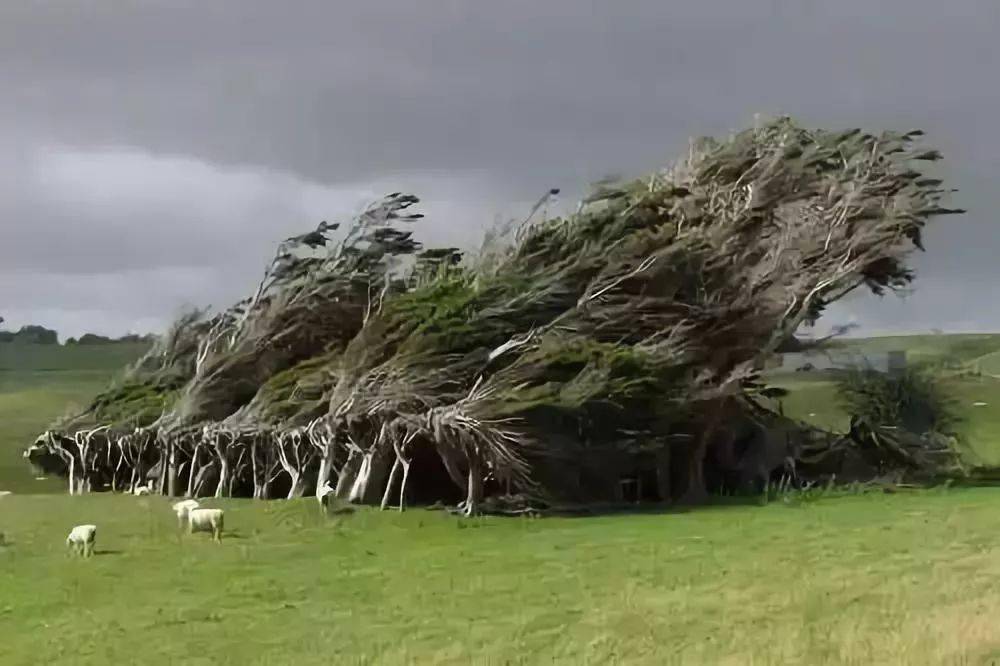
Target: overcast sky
[{"x": 152, "y": 153}]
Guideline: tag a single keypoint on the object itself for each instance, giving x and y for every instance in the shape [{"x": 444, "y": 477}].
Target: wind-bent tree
[{"x": 570, "y": 358}]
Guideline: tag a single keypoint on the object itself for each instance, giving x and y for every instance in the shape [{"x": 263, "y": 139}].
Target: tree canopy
[{"x": 551, "y": 363}]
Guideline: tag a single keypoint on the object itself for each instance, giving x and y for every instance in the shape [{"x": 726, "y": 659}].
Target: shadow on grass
[{"x": 101, "y": 552}]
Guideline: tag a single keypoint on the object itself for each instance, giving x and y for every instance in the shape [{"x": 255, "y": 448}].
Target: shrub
[{"x": 913, "y": 399}]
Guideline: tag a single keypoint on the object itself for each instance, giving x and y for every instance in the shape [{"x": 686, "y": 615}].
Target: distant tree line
[{"x": 39, "y": 335}]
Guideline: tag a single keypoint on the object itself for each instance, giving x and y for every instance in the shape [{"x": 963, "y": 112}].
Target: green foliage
[
  {"x": 298, "y": 389},
  {"x": 133, "y": 404}
]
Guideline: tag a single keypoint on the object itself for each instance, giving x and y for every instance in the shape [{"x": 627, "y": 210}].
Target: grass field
[
  {"x": 907, "y": 578},
  {"x": 867, "y": 579}
]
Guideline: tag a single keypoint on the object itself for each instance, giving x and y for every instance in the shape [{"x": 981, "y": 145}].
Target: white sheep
[
  {"x": 182, "y": 509},
  {"x": 81, "y": 539},
  {"x": 206, "y": 520},
  {"x": 4, "y": 493},
  {"x": 141, "y": 491}
]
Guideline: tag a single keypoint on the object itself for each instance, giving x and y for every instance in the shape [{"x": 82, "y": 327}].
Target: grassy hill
[
  {"x": 813, "y": 396},
  {"x": 39, "y": 383}
]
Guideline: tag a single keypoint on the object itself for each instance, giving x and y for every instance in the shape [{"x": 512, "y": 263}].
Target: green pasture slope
[
  {"x": 813, "y": 395},
  {"x": 906, "y": 578},
  {"x": 39, "y": 383}
]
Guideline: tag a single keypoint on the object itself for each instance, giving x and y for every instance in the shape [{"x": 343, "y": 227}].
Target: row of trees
[{"x": 568, "y": 355}]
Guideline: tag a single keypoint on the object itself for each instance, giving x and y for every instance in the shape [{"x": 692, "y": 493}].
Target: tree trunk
[
  {"x": 72, "y": 475},
  {"x": 162, "y": 481},
  {"x": 199, "y": 480},
  {"x": 298, "y": 487},
  {"x": 360, "y": 485},
  {"x": 696, "y": 492},
  {"x": 475, "y": 493},
  {"x": 325, "y": 468},
  {"x": 402, "y": 486},
  {"x": 191, "y": 476},
  {"x": 390, "y": 483},
  {"x": 257, "y": 472},
  {"x": 349, "y": 473},
  {"x": 220, "y": 489},
  {"x": 171, "y": 468}
]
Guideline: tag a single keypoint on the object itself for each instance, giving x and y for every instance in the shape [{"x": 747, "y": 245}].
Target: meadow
[
  {"x": 823, "y": 578},
  {"x": 865, "y": 579}
]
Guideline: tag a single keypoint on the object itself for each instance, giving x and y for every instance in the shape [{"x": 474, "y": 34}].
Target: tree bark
[
  {"x": 194, "y": 463},
  {"x": 696, "y": 492},
  {"x": 171, "y": 468},
  {"x": 390, "y": 483},
  {"x": 325, "y": 467},
  {"x": 402, "y": 486},
  {"x": 72, "y": 475},
  {"x": 220, "y": 489},
  {"x": 475, "y": 487},
  {"x": 200, "y": 479},
  {"x": 348, "y": 475},
  {"x": 360, "y": 485}
]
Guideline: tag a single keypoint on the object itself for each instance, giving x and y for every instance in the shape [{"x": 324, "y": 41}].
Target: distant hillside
[
  {"x": 16, "y": 360},
  {"x": 963, "y": 348},
  {"x": 39, "y": 383},
  {"x": 39, "y": 335}
]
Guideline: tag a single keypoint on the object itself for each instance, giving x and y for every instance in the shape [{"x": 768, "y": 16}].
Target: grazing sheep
[
  {"x": 325, "y": 494},
  {"x": 206, "y": 520},
  {"x": 141, "y": 491},
  {"x": 81, "y": 539},
  {"x": 4, "y": 493},
  {"x": 182, "y": 509}
]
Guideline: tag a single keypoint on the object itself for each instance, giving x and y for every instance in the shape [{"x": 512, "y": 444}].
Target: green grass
[
  {"x": 868, "y": 579},
  {"x": 40, "y": 383}
]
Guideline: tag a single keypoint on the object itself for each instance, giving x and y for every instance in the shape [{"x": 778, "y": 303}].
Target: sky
[{"x": 153, "y": 153}]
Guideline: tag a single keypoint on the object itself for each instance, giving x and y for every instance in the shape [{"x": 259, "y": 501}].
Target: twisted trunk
[
  {"x": 392, "y": 480},
  {"x": 348, "y": 474},
  {"x": 171, "y": 468},
  {"x": 474, "y": 495},
  {"x": 194, "y": 464}
]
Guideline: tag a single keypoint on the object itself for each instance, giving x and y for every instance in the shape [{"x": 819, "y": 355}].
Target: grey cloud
[{"x": 260, "y": 117}]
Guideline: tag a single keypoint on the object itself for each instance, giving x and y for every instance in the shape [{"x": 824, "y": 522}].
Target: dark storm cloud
[{"x": 138, "y": 138}]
